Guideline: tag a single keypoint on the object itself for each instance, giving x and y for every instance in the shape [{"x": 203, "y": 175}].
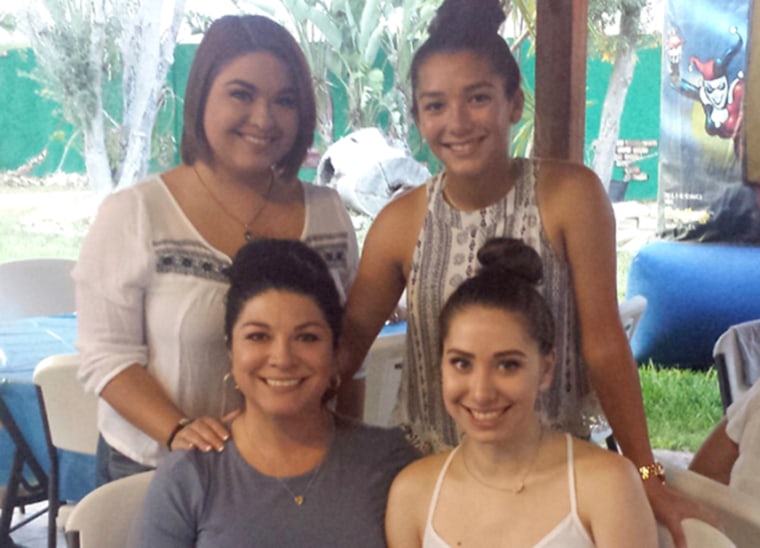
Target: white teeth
[
  {"x": 281, "y": 383},
  {"x": 485, "y": 416},
  {"x": 256, "y": 140}
]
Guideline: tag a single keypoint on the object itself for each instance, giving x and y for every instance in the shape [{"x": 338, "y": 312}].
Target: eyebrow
[
  {"x": 501, "y": 354},
  {"x": 305, "y": 325},
  {"x": 249, "y": 86},
  {"x": 467, "y": 89}
]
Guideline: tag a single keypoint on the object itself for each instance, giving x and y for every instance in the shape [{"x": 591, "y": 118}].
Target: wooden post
[{"x": 561, "y": 38}]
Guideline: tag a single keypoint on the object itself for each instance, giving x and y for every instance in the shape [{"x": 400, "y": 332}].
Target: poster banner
[{"x": 703, "y": 83}]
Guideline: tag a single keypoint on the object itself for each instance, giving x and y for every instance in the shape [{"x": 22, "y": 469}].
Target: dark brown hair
[
  {"x": 468, "y": 25},
  {"x": 226, "y": 39},
  {"x": 507, "y": 281}
]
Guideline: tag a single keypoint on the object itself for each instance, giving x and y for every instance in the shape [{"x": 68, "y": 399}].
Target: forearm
[
  {"x": 616, "y": 382},
  {"x": 716, "y": 456},
  {"x": 136, "y": 395}
]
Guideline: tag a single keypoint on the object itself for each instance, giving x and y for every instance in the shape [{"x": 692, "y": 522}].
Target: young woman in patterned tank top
[{"x": 466, "y": 97}]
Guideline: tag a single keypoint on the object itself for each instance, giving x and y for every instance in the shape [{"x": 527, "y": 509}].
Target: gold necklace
[
  {"x": 246, "y": 226},
  {"x": 521, "y": 484},
  {"x": 300, "y": 499}
]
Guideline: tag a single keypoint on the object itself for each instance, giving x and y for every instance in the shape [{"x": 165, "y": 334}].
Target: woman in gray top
[{"x": 291, "y": 472}]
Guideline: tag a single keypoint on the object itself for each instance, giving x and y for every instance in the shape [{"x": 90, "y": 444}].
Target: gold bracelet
[{"x": 654, "y": 470}]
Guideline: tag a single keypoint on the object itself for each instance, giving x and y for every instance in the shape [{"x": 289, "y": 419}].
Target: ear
[
  {"x": 518, "y": 102},
  {"x": 547, "y": 370}
]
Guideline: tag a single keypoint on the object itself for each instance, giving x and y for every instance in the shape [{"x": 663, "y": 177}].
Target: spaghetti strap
[
  {"x": 438, "y": 483},
  {"x": 571, "y": 473}
]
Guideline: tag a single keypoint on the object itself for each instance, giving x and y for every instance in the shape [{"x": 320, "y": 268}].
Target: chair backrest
[
  {"x": 631, "y": 311},
  {"x": 384, "y": 362},
  {"x": 739, "y": 512},
  {"x": 737, "y": 360},
  {"x": 72, "y": 413},
  {"x": 22, "y": 415},
  {"x": 36, "y": 287},
  {"x": 103, "y": 518}
]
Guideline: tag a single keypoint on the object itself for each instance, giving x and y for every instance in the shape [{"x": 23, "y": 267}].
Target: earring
[
  {"x": 335, "y": 381},
  {"x": 227, "y": 376}
]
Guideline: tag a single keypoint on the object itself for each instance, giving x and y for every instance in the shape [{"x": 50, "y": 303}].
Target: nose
[
  {"x": 481, "y": 385},
  {"x": 459, "y": 117},
  {"x": 261, "y": 114},
  {"x": 280, "y": 354}
]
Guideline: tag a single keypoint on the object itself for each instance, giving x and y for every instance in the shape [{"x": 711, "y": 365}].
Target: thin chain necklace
[
  {"x": 247, "y": 234},
  {"x": 521, "y": 484},
  {"x": 300, "y": 499}
]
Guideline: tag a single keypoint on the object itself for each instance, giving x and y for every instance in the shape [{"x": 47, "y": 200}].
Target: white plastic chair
[
  {"x": 384, "y": 362},
  {"x": 631, "y": 311},
  {"x": 739, "y": 512},
  {"x": 72, "y": 413},
  {"x": 36, "y": 287},
  {"x": 103, "y": 519},
  {"x": 737, "y": 360}
]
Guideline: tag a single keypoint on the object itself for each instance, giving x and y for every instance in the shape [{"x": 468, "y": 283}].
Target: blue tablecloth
[
  {"x": 26, "y": 342},
  {"x": 23, "y": 344}
]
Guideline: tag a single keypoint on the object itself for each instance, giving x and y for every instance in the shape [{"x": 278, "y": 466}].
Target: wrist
[
  {"x": 184, "y": 421},
  {"x": 651, "y": 471}
]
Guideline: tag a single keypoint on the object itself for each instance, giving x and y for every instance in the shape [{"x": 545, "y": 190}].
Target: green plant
[{"x": 682, "y": 406}]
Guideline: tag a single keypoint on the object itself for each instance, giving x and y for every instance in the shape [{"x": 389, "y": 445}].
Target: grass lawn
[{"x": 682, "y": 406}]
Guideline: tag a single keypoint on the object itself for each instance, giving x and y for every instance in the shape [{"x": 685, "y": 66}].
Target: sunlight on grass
[{"x": 682, "y": 406}]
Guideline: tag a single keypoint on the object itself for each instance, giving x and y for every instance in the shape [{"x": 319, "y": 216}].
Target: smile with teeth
[
  {"x": 256, "y": 140},
  {"x": 462, "y": 147},
  {"x": 282, "y": 383},
  {"x": 486, "y": 415}
]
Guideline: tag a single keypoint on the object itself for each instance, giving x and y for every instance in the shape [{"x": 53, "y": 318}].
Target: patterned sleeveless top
[{"x": 445, "y": 255}]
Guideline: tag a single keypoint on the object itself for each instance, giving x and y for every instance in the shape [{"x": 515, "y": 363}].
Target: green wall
[{"x": 31, "y": 124}]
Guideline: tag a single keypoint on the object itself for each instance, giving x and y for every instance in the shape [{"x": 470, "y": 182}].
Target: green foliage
[{"x": 682, "y": 406}]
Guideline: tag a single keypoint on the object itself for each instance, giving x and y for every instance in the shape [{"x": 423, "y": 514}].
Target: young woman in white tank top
[{"x": 512, "y": 481}]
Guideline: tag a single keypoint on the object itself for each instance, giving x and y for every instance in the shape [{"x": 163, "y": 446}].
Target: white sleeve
[
  {"x": 743, "y": 427},
  {"x": 111, "y": 277}
]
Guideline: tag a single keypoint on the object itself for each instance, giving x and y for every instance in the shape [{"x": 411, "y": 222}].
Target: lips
[
  {"x": 282, "y": 383},
  {"x": 486, "y": 415},
  {"x": 464, "y": 148},
  {"x": 257, "y": 140}
]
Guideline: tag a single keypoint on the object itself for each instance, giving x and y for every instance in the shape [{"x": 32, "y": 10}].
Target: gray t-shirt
[{"x": 218, "y": 500}]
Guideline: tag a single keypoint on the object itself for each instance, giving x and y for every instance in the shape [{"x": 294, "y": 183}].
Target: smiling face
[
  {"x": 251, "y": 115},
  {"x": 464, "y": 114},
  {"x": 282, "y": 354},
  {"x": 492, "y": 374}
]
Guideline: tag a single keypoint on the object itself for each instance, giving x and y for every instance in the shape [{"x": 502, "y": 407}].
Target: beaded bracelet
[{"x": 184, "y": 421}]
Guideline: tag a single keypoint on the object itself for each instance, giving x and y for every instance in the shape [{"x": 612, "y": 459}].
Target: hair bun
[
  {"x": 469, "y": 17},
  {"x": 510, "y": 257}
]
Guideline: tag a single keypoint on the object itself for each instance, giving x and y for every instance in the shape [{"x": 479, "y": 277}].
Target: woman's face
[
  {"x": 463, "y": 112},
  {"x": 492, "y": 373},
  {"x": 251, "y": 115},
  {"x": 282, "y": 354}
]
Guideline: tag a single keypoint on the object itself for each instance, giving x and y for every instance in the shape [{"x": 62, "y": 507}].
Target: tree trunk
[
  {"x": 148, "y": 52},
  {"x": 614, "y": 100},
  {"x": 95, "y": 153}
]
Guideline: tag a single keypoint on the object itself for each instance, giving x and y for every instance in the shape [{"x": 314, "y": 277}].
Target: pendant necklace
[
  {"x": 521, "y": 484},
  {"x": 247, "y": 234},
  {"x": 300, "y": 499}
]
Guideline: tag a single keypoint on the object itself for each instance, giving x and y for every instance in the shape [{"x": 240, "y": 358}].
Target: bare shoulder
[
  {"x": 394, "y": 232},
  {"x": 568, "y": 176},
  {"x": 603, "y": 474},
  {"x": 404, "y": 209},
  {"x": 420, "y": 476}
]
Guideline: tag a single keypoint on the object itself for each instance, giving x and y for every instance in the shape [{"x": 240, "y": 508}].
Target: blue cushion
[{"x": 695, "y": 292}]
